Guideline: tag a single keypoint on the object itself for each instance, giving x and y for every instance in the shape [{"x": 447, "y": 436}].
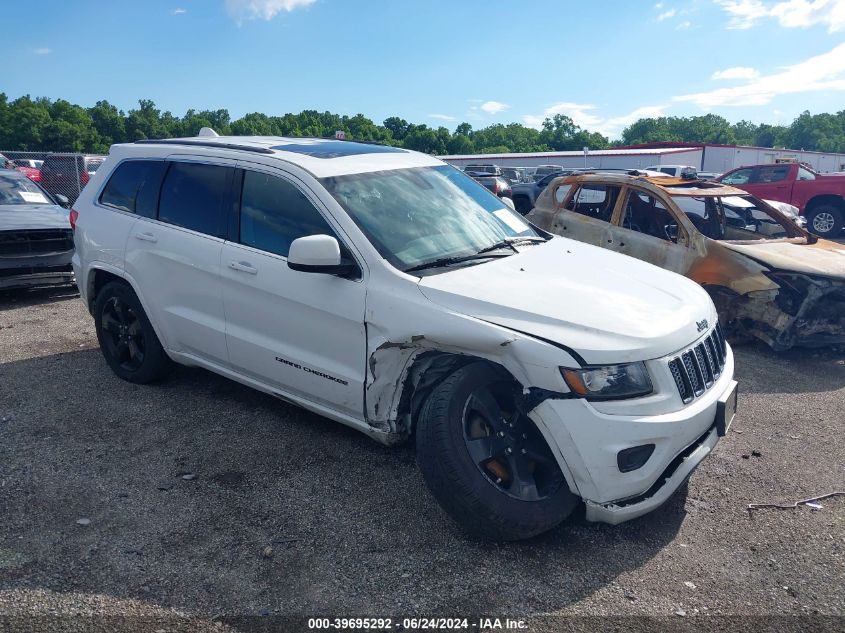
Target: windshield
[
  {"x": 735, "y": 218},
  {"x": 15, "y": 188},
  {"x": 420, "y": 215}
]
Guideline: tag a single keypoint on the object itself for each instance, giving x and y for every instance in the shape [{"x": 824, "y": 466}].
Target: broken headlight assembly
[{"x": 609, "y": 382}]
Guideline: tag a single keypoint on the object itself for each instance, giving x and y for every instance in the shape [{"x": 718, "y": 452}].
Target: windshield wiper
[
  {"x": 448, "y": 261},
  {"x": 484, "y": 253},
  {"x": 508, "y": 242}
]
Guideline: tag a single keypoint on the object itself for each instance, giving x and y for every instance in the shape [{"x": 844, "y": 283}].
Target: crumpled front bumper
[
  {"x": 662, "y": 490},
  {"x": 586, "y": 443}
]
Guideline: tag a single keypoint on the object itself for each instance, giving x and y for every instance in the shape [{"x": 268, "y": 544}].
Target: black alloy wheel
[
  {"x": 124, "y": 337},
  {"x": 506, "y": 446}
]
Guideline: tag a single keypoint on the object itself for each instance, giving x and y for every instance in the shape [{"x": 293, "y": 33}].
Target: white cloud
[
  {"x": 683, "y": 26},
  {"x": 584, "y": 115},
  {"x": 179, "y": 11},
  {"x": 744, "y": 14},
  {"x": 442, "y": 117},
  {"x": 262, "y": 9},
  {"x": 43, "y": 51},
  {"x": 658, "y": 6},
  {"x": 666, "y": 15},
  {"x": 494, "y": 107},
  {"x": 823, "y": 72},
  {"x": 737, "y": 72}
]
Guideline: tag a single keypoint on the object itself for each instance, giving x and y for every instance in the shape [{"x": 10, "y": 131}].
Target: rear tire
[
  {"x": 127, "y": 339},
  {"x": 825, "y": 220},
  {"x": 463, "y": 442}
]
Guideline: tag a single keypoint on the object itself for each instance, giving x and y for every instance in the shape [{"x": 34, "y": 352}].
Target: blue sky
[{"x": 440, "y": 62}]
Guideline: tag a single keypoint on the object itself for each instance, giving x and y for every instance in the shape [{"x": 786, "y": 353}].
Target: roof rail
[{"x": 170, "y": 141}]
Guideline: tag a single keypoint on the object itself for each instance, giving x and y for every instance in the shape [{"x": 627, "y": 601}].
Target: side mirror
[
  {"x": 508, "y": 201},
  {"x": 671, "y": 231},
  {"x": 63, "y": 200},
  {"x": 318, "y": 254}
]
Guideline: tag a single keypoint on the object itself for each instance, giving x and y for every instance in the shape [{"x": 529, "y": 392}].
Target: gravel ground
[{"x": 199, "y": 498}]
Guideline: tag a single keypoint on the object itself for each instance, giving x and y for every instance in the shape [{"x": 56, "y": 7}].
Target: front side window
[
  {"x": 739, "y": 177},
  {"x": 747, "y": 219},
  {"x": 15, "y": 188},
  {"x": 734, "y": 218},
  {"x": 192, "y": 197},
  {"x": 423, "y": 214},
  {"x": 134, "y": 187},
  {"x": 274, "y": 213}
]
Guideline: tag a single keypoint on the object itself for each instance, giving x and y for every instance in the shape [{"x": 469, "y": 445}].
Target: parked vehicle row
[
  {"x": 495, "y": 184},
  {"x": 396, "y": 295}
]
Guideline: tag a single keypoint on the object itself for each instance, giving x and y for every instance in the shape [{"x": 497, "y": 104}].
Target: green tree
[
  {"x": 109, "y": 124},
  {"x": 399, "y": 128}
]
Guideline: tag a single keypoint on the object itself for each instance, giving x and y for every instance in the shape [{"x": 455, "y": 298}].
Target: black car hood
[{"x": 17, "y": 217}]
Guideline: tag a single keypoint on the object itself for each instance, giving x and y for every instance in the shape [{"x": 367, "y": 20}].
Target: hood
[
  {"x": 822, "y": 258},
  {"x": 608, "y": 307},
  {"x": 16, "y": 217}
]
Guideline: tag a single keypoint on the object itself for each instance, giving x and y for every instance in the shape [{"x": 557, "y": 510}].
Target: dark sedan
[
  {"x": 498, "y": 185},
  {"x": 36, "y": 241}
]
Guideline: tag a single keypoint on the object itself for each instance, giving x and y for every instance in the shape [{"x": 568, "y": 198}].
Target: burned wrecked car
[
  {"x": 36, "y": 241},
  {"x": 768, "y": 277}
]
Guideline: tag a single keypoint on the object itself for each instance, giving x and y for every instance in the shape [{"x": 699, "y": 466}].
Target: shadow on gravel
[
  {"x": 795, "y": 371},
  {"x": 200, "y": 494},
  {"x": 18, "y": 298}
]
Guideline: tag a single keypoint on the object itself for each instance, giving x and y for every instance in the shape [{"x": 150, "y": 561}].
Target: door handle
[
  {"x": 244, "y": 267},
  {"x": 146, "y": 237}
]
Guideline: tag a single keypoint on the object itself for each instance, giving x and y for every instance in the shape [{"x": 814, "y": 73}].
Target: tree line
[{"x": 43, "y": 124}]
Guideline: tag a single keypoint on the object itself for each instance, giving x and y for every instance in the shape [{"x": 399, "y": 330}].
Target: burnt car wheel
[
  {"x": 127, "y": 339},
  {"x": 486, "y": 462},
  {"x": 825, "y": 220}
]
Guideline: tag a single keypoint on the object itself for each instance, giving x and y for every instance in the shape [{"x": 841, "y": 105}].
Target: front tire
[
  {"x": 485, "y": 461},
  {"x": 825, "y": 220},
  {"x": 127, "y": 339}
]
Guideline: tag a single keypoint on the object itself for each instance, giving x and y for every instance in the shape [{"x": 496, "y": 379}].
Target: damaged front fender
[{"x": 401, "y": 365}]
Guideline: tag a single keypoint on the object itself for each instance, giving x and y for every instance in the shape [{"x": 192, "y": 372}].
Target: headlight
[{"x": 610, "y": 382}]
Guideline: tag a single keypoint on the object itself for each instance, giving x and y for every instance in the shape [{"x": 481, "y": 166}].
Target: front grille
[
  {"x": 35, "y": 242},
  {"x": 35, "y": 270},
  {"x": 698, "y": 368}
]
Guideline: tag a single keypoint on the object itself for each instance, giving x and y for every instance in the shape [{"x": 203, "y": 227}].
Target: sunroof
[{"x": 335, "y": 149}]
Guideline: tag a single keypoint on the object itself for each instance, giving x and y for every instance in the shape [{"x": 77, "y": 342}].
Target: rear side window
[
  {"x": 274, "y": 213},
  {"x": 192, "y": 197},
  {"x": 770, "y": 174},
  {"x": 803, "y": 174},
  {"x": 134, "y": 187}
]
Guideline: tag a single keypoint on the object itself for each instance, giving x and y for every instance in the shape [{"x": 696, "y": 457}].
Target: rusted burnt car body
[{"x": 769, "y": 278}]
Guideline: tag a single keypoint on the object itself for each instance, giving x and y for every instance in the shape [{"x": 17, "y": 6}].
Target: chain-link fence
[{"x": 61, "y": 174}]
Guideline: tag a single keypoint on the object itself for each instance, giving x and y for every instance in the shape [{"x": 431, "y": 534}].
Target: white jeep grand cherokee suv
[{"x": 388, "y": 291}]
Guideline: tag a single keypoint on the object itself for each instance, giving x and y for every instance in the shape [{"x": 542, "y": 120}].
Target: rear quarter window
[{"x": 134, "y": 187}]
